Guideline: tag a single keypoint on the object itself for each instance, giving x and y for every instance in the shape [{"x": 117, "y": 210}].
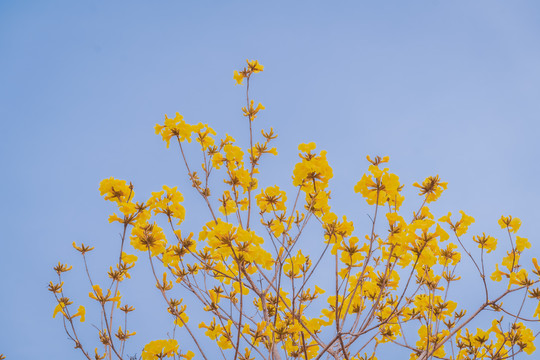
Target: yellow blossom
[
  {"x": 432, "y": 188},
  {"x": 81, "y": 311},
  {"x": 254, "y": 66},
  {"x": 272, "y": 199},
  {"x": 238, "y": 77},
  {"x": 513, "y": 224},
  {"x": 522, "y": 244},
  {"x": 486, "y": 242},
  {"x": 159, "y": 349},
  {"x": 59, "y": 308}
]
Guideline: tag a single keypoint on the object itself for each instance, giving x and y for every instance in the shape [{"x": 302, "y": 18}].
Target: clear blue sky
[{"x": 442, "y": 87}]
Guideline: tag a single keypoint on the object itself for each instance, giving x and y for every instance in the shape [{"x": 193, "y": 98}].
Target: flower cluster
[{"x": 280, "y": 274}]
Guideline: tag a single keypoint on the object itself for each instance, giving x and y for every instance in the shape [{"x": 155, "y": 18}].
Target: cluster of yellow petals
[
  {"x": 510, "y": 223},
  {"x": 226, "y": 241},
  {"x": 494, "y": 342},
  {"x": 313, "y": 172},
  {"x": 296, "y": 266},
  {"x": 461, "y": 226},
  {"x": 81, "y": 312},
  {"x": 97, "y": 294},
  {"x": 178, "y": 127},
  {"x": 159, "y": 349},
  {"x": 272, "y": 199},
  {"x": 253, "y": 66},
  {"x": 380, "y": 187},
  {"x": 168, "y": 202},
  {"x": 432, "y": 188},
  {"x": 115, "y": 190}
]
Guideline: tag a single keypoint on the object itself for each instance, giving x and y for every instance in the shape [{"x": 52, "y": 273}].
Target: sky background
[{"x": 442, "y": 87}]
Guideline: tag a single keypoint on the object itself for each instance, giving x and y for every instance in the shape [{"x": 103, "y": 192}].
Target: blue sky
[{"x": 448, "y": 88}]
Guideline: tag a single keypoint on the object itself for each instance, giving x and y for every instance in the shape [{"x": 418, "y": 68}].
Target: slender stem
[{"x": 252, "y": 157}]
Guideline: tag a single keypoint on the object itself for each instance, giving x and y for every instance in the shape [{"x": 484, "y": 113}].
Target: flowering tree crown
[{"x": 256, "y": 276}]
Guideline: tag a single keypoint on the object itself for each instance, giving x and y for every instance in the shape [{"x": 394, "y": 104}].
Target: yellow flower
[
  {"x": 128, "y": 259},
  {"x": 446, "y": 219},
  {"x": 271, "y": 199},
  {"x": 254, "y": 66},
  {"x": 536, "y": 266},
  {"x": 224, "y": 342},
  {"x": 189, "y": 355},
  {"x": 238, "y": 77},
  {"x": 168, "y": 202},
  {"x": 498, "y": 274},
  {"x": 81, "y": 311},
  {"x": 181, "y": 319},
  {"x": 313, "y": 174},
  {"x": 307, "y": 148},
  {"x": 114, "y": 218},
  {"x": 240, "y": 288},
  {"x": 127, "y": 208},
  {"x": 59, "y": 308},
  {"x": 213, "y": 330},
  {"x": 522, "y": 244},
  {"x": 158, "y": 349},
  {"x": 450, "y": 256},
  {"x": 228, "y": 205},
  {"x": 432, "y": 187},
  {"x": 146, "y": 236},
  {"x": 537, "y": 311},
  {"x": 277, "y": 227},
  {"x": 233, "y": 154},
  {"x": 486, "y": 242},
  {"x": 176, "y": 127},
  {"x": 203, "y": 136},
  {"x": 520, "y": 278},
  {"x": 380, "y": 186},
  {"x": 377, "y": 160},
  {"x": 296, "y": 264},
  {"x": 463, "y": 224},
  {"x": 511, "y": 260},
  {"x": 427, "y": 257},
  {"x": 99, "y": 357},
  {"x": 115, "y": 190},
  {"x": 82, "y": 249},
  {"x": 513, "y": 224},
  {"x": 251, "y": 112},
  {"x": 97, "y": 295},
  {"x": 350, "y": 253}
]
